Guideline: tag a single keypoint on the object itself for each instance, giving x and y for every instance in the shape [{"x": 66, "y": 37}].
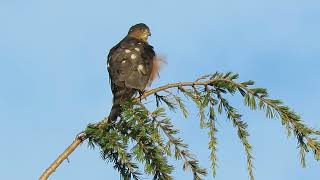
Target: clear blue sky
[{"x": 54, "y": 80}]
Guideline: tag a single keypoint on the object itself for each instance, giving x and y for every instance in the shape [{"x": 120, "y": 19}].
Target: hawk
[{"x": 132, "y": 65}]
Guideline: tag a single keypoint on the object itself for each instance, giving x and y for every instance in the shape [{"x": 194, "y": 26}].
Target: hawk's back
[{"x": 130, "y": 63}]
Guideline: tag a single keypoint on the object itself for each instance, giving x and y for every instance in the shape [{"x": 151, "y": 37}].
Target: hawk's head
[{"x": 140, "y": 31}]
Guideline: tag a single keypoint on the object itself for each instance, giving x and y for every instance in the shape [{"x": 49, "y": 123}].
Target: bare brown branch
[{"x": 79, "y": 139}]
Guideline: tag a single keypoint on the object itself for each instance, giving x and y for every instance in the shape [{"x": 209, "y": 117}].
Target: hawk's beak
[{"x": 149, "y": 33}]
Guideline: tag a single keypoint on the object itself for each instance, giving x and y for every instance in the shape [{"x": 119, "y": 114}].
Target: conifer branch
[
  {"x": 213, "y": 140},
  {"x": 243, "y": 134},
  {"x": 142, "y": 128},
  {"x": 181, "y": 150}
]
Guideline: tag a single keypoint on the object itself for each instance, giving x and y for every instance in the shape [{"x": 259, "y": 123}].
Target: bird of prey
[{"x": 132, "y": 65}]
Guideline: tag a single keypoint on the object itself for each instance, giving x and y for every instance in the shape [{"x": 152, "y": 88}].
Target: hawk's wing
[{"x": 130, "y": 63}]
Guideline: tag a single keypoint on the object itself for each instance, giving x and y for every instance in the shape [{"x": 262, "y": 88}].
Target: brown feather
[{"x": 158, "y": 62}]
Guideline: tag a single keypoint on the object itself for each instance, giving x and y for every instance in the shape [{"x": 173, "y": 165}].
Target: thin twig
[
  {"x": 79, "y": 139},
  {"x": 180, "y": 84}
]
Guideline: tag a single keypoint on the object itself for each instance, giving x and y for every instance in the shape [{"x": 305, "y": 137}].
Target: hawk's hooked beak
[{"x": 149, "y": 33}]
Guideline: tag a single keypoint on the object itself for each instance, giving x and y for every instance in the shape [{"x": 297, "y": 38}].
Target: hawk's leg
[{"x": 141, "y": 92}]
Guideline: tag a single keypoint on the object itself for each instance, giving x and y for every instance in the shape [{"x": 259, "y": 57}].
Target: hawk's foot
[{"x": 141, "y": 92}]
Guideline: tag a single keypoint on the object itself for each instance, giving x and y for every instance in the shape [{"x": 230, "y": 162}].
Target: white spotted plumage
[
  {"x": 133, "y": 56},
  {"x": 140, "y": 67}
]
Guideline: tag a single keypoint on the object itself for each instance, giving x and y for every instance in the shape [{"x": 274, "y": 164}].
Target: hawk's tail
[{"x": 120, "y": 94}]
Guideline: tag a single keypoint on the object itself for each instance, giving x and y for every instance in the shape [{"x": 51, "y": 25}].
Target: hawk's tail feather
[
  {"x": 120, "y": 95},
  {"x": 114, "y": 113}
]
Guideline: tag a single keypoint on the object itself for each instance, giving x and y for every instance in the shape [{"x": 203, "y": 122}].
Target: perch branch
[{"x": 82, "y": 137}]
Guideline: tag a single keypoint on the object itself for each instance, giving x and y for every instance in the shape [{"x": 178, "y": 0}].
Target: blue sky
[{"x": 54, "y": 80}]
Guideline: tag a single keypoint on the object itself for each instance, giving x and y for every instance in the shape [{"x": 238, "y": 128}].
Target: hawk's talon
[{"x": 141, "y": 92}]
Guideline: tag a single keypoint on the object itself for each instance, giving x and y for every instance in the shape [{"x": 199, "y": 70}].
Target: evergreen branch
[
  {"x": 167, "y": 100},
  {"x": 181, "y": 149},
  {"x": 213, "y": 140},
  {"x": 144, "y": 131},
  {"x": 243, "y": 134},
  {"x": 211, "y": 124},
  {"x": 113, "y": 147},
  {"x": 198, "y": 99},
  {"x": 180, "y": 103},
  {"x": 275, "y": 109}
]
